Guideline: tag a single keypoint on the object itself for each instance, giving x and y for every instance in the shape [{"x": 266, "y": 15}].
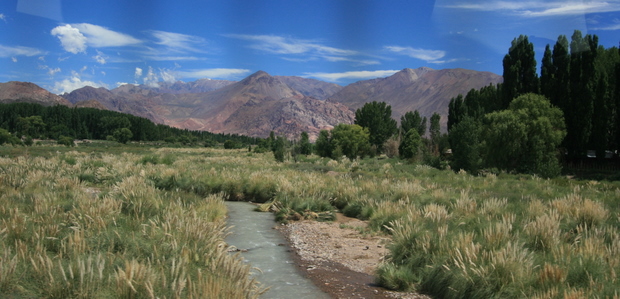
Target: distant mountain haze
[{"x": 262, "y": 103}]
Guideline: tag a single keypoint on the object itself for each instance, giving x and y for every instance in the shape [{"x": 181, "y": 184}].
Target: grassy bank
[{"x": 148, "y": 211}]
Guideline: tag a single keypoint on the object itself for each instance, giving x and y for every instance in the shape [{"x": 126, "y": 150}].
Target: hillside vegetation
[{"x": 144, "y": 222}]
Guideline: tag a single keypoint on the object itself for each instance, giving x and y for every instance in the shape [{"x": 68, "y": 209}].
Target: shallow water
[{"x": 254, "y": 231}]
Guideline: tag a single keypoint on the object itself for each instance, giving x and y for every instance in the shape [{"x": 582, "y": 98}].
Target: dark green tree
[
  {"x": 413, "y": 120},
  {"x": 525, "y": 138},
  {"x": 456, "y": 111},
  {"x": 350, "y": 140},
  {"x": 323, "y": 145},
  {"x": 465, "y": 142},
  {"x": 410, "y": 144},
  {"x": 305, "y": 147},
  {"x": 377, "y": 118},
  {"x": 279, "y": 148},
  {"x": 520, "y": 74},
  {"x": 122, "y": 135},
  {"x": 435, "y": 133}
]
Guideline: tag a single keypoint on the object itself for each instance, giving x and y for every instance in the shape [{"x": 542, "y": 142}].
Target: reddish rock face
[
  {"x": 262, "y": 103},
  {"x": 16, "y": 91}
]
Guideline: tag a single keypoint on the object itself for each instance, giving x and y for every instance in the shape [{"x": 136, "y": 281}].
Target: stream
[{"x": 253, "y": 231}]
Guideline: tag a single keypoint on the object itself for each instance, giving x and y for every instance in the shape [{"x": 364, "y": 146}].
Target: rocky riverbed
[{"x": 339, "y": 257}]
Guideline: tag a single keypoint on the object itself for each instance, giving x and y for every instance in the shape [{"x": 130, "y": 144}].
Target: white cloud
[
  {"x": 14, "y": 59},
  {"x": 52, "y": 71},
  {"x": 6, "y": 51},
  {"x": 151, "y": 78},
  {"x": 2, "y": 17},
  {"x": 179, "y": 42},
  {"x": 99, "y": 37},
  {"x": 167, "y": 75},
  {"x": 74, "y": 82},
  {"x": 219, "y": 73},
  {"x": 611, "y": 27},
  {"x": 357, "y": 75},
  {"x": 75, "y": 38},
  {"x": 290, "y": 46},
  {"x": 357, "y": 62},
  {"x": 540, "y": 8},
  {"x": 138, "y": 73},
  {"x": 422, "y": 54},
  {"x": 71, "y": 39},
  {"x": 100, "y": 57}
]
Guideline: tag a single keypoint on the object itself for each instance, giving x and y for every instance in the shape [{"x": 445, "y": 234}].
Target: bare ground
[{"x": 339, "y": 258}]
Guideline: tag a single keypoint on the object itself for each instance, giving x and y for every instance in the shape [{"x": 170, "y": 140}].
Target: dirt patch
[{"x": 339, "y": 258}]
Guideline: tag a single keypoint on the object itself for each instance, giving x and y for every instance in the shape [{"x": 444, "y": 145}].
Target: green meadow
[{"x": 104, "y": 220}]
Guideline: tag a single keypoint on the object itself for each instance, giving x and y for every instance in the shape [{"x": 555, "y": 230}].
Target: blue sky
[{"x": 62, "y": 45}]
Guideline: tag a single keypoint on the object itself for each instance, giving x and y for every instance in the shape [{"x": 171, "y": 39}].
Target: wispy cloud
[
  {"x": 76, "y": 38},
  {"x": 612, "y": 27},
  {"x": 430, "y": 56},
  {"x": 179, "y": 42},
  {"x": 353, "y": 75},
  {"x": 6, "y": 51},
  {"x": 99, "y": 37},
  {"x": 2, "y": 17},
  {"x": 540, "y": 8},
  {"x": 219, "y": 73},
  {"x": 302, "y": 50}
]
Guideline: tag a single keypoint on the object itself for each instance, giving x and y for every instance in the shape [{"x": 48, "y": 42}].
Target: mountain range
[{"x": 262, "y": 103}]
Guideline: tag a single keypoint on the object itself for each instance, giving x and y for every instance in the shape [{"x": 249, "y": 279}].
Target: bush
[{"x": 66, "y": 140}]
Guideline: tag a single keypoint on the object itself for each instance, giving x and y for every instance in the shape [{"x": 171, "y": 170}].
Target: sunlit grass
[{"x": 152, "y": 221}]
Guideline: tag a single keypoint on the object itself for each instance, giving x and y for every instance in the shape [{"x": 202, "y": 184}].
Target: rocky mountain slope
[
  {"x": 423, "y": 89},
  {"x": 262, "y": 103},
  {"x": 15, "y": 91}
]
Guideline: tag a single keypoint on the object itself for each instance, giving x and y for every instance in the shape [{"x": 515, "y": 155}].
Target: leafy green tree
[
  {"x": 525, "y": 137},
  {"x": 279, "y": 148},
  {"x": 305, "y": 147},
  {"x": 351, "y": 140},
  {"x": 413, "y": 120},
  {"x": 66, "y": 140},
  {"x": 410, "y": 144},
  {"x": 231, "y": 144},
  {"x": 435, "y": 133},
  {"x": 520, "y": 74},
  {"x": 323, "y": 145},
  {"x": 122, "y": 135},
  {"x": 465, "y": 141},
  {"x": 456, "y": 111},
  {"x": 5, "y": 136},
  {"x": 31, "y": 126},
  {"x": 377, "y": 118}
]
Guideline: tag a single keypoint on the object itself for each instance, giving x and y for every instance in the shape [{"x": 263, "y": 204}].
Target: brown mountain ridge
[{"x": 262, "y": 103}]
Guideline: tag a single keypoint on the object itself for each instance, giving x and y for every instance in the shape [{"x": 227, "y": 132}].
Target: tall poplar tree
[
  {"x": 377, "y": 117},
  {"x": 520, "y": 76}
]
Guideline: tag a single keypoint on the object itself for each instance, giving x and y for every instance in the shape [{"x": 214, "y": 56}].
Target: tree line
[
  {"x": 29, "y": 121},
  {"x": 572, "y": 108}
]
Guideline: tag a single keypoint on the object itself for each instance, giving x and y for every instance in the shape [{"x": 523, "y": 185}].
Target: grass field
[{"x": 139, "y": 221}]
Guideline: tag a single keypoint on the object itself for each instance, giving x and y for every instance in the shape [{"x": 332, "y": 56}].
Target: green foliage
[
  {"x": 413, "y": 120},
  {"x": 5, "y": 136},
  {"x": 465, "y": 141},
  {"x": 377, "y": 118},
  {"x": 323, "y": 145},
  {"x": 520, "y": 74},
  {"x": 305, "y": 147},
  {"x": 231, "y": 144},
  {"x": 122, "y": 135},
  {"x": 279, "y": 148},
  {"x": 31, "y": 126},
  {"x": 410, "y": 144},
  {"x": 525, "y": 138},
  {"x": 435, "y": 133},
  {"x": 66, "y": 140},
  {"x": 350, "y": 140}
]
